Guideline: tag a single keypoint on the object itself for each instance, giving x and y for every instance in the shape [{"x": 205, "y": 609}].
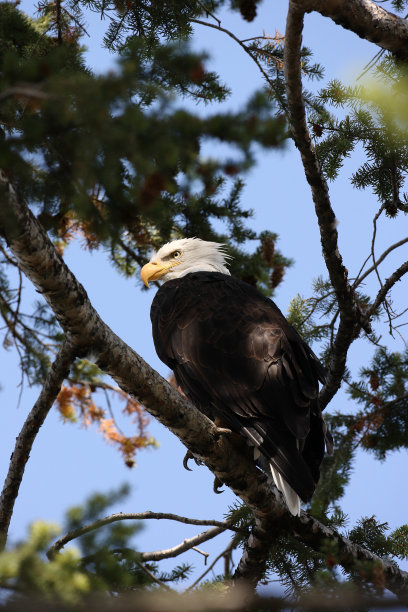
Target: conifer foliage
[{"x": 115, "y": 160}]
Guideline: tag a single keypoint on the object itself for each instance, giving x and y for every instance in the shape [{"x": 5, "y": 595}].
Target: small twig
[
  {"x": 371, "y": 63},
  {"x": 376, "y": 217},
  {"x": 202, "y": 552},
  {"x": 75, "y": 20},
  {"x": 315, "y": 301},
  {"x": 386, "y": 305},
  {"x": 111, "y": 411},
  {"x": 29, "y": 92},
  {"x": 205, "y": 9},
  {"x": 138, "y": 258},
  {"x": 9, "y": 259},
  {"x": 388, "y": 284},
  {"x": 359, "y": 279},
  {"x": 227, "y": 550},
  {"x": 241, "y": 44},
  {"x": 152, "y": 576}
]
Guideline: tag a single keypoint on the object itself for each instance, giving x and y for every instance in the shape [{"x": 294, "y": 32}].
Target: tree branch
[
  {"x": 387, "y": 285},
  {"x": 232, "y": 462},
  {"x": 252, "y": 565},
  {"x": 30, "y": 429},
  {"x": 391, "y": 248},
  {"x": 364, "y": 18},
  {"x": 310, "y": 531},
  {"x": 226, "y": 551},
  {"x": 134, "y": 516},
  {"x": 187, "y": 544},
  {"x": 237, "y": 40},
  {"x": 349, "y": 313}
]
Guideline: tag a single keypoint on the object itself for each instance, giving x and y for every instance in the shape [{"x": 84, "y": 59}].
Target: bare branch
[
  {"x": 187, "y": 544},
  {"x": 366, "y": 19},
  {"x": 387, "y": 285},
  {"x": 152, "y": 576},
  {"x": 240, "y": 42},
  {"x": 373, "y": 23},
  {"x": 133, "y": 516},
  {"x": 310, "y": 531},
  {"x": 391, "y": 248},
  {"x": 226, "y": 551},
  {"x": 349, "y": 312},
  {"x": 30, "y": 429},
  {"x": 252, "y": 565}
]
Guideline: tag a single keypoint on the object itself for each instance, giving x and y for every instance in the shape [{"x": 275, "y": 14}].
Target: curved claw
[
  {"x": 189, "y": 455},
  {"x": 217, "y": 485}
]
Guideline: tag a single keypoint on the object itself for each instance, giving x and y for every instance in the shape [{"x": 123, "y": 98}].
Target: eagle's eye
[{"x": 176, "y": 254}]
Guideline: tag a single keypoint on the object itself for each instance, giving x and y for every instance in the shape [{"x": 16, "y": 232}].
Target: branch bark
[
  {"x": 364, "y": 18},
  {"x": 389, "y": 283},
  {"x": 252, "y": 565},
  {"x": 133, "y": 516},
  {"x": 350, "y": 316},
  {"x": 230, "y": 461},
  {"x": 379, "y": 260},
  {"x": 187, "y": 544},
  {"x": 28, "y": 433},
  {"x": 310, "y": 531}
]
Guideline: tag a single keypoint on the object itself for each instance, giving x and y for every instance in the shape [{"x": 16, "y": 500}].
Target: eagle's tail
[{"x": 291, "y": 497}]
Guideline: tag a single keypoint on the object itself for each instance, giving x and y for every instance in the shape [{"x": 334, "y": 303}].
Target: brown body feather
[{"x": 237, "y": 358}]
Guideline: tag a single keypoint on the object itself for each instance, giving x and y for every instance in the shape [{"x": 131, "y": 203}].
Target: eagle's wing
[{"x": 236, "y": 357}]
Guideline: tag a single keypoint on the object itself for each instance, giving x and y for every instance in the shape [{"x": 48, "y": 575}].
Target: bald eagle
[{"x": 240, "y": 362}]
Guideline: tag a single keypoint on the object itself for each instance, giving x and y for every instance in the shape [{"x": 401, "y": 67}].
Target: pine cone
[{"x": 248, "y": 9}]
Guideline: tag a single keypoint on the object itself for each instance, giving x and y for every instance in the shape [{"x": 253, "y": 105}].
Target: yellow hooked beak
[{"x": 153, "y": 271}]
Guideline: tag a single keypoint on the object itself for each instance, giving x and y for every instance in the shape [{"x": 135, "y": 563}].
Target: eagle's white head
[{"x": 177, "y": 258}]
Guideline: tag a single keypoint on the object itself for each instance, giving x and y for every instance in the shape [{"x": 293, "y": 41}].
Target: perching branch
[
  {"x": 133, "y": 516},
  {"x": 231, "y": 461},
  {"x": 31, "y": 427}
]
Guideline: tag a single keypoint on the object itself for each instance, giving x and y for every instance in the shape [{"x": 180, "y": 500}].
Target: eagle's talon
[
  {"x": 217, "y": 485},
  {"x": 189, "y": 455}
]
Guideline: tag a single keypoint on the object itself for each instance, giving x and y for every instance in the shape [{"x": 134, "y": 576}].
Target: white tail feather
[{"x": 291, "y": 497}]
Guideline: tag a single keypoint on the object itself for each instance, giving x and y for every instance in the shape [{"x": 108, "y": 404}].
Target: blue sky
[{"x": 68, "y": 463}]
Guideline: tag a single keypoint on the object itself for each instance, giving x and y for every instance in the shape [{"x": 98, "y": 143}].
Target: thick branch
[
  {"x": 252, "y": 565},
  {"x": 31, "y": 427},
  {"x": 310, "y": 531},
  {"x": 133, "y": 516},
  {"x": 231, "y": 461},
  {"x": 42, "y": 264},
  {"x": 366, "y": 19},
  {"x": 349, "y": 312}
]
